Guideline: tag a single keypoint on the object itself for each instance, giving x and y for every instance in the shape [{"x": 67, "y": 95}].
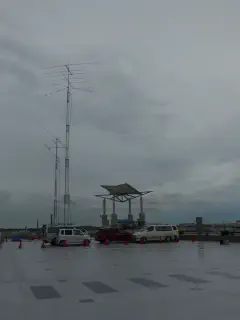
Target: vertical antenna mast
[
  {"x": 55, "y": 207},
  {"x": 67, "y": 200},
  {"x": 72, "y": 77},
  {"x": 56, "y": 180}
]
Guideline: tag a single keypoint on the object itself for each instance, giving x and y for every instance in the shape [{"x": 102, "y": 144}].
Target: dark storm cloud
[
  {"x": 5, "y": 197},
  {"x": 20, "y": 73},
  {"x": 20, "y": 60},
  {"x": 119, "y": 107},
  {"x": 24, "y": 53},
  {"x": 167, "y": 170},
  {"x": 163, "y": 115}
]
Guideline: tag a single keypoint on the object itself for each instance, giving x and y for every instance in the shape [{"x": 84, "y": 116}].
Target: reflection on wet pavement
[{"x": 138, "y": 280}]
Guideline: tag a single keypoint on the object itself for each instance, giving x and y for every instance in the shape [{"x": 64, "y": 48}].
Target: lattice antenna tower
[
  {"x": 71, "y": 74},
  {"x": 58, "y": 145}
]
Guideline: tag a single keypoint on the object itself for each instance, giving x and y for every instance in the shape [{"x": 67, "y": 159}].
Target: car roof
[
  {"x": 159, "y": 224},
  {"x": 111, "y": 228}
]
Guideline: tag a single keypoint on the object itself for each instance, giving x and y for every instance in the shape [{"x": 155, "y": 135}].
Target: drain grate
[
  {"x": 225, "y": 275},
  {"x": 86, "y": 300},
  {"x": 147, "y": 283},
  {"x": 99, "y": 287},
  {"x": 44, "y": 292},
  {"x": 183, "y": 277}
]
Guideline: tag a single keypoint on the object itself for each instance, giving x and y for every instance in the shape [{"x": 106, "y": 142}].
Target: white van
[
  {"x": 73, "y": 236},
  {"x": 157, "y": 232}
]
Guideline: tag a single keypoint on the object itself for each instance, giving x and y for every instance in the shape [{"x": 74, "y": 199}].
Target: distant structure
[
  {"x": 199, "y": 224},
  {"x": 72, "y": 75},
  {"x": 55, "y": 216},
  {"x": 121, "y": 193}
]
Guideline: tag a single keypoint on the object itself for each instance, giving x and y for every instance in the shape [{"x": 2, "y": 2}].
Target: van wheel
[
  {"x": 143, "y": 240},
  {"x": 61, "y": 243},
  {"x": 167, "y": 239},
  {"x": 53, "y": 242},
  {"x": 175, "y": 238}
]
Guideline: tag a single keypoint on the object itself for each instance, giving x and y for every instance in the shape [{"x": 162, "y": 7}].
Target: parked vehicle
[
  {"x": 83, "y": 230},
  {"x": 113, "y": 235},
  {"x": 50, "y": 232},
  {"x": 73, "y": 236},
  {"x": 157, "y": 233}
]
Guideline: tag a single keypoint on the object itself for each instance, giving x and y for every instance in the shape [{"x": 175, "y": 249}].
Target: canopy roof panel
[
  {"x": 121, "y": 189},
  {"x": 121, "y": 192}
]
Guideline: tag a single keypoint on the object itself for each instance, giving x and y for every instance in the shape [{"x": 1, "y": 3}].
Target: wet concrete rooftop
[{"x": 162, "y": 281}]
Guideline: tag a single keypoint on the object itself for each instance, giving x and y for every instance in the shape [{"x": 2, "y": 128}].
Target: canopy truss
[{"x": 121, "y": 192}]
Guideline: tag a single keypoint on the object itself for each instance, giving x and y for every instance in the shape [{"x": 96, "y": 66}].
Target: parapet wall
[{"x": 235, "y": 239}]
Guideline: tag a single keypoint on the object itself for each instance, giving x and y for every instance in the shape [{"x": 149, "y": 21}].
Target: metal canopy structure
[{"x": 121, "y": 192}]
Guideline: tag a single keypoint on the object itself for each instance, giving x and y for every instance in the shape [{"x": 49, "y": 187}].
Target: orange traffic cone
[
  {"x": 43, "y": 245},
  {"x": 39, "y": 237},
  {"x": 141, "y": 241},
  {"x": 20, "y": 245},
  {"x": 125, "y": 242},
  {"x": 106, "y": 242},
  {"x": 177, "y": 240},
  {"x": 65, "y": 243},
  {"x": 193, "y": 238}
]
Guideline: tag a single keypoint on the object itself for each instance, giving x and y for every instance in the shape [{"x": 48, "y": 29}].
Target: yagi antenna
[{"x": 71, "y": 75}]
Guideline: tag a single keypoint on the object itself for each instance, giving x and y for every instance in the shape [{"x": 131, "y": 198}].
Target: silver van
[
  {"x": 57, "y": 234},
  {"x": 72, "y": 236},
  {"x": 158, "y": 232}
]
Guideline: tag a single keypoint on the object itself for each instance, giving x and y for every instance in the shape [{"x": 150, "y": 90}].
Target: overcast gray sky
[{"x": 164, "y": 114}]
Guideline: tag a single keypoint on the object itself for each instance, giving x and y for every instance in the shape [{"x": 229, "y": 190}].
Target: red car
[{"x": 113, "y": 234}]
